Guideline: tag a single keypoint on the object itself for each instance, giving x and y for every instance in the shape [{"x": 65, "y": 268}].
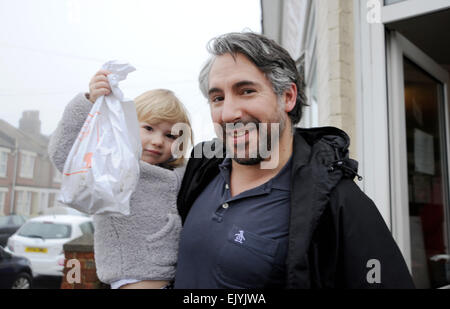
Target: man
[{"x": 303, "y": 222}]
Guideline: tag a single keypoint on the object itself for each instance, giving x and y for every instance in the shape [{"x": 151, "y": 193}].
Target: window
[
  {"x": 310, "y": 118},
  {"x": 418, "y": 89},
  {"x": 55, "y": 200},
  {"x": 27, "y": 164},
  {"x": 24, "y": 202},
  {"x": 45, "y": 230},
  {"x": 312, "y": 98},
  {"x": 43, "y": 204},
  {"x": 51, "y": 200},
  {"x": 2, "y": 202},
  {"x": 3, "y": 161},
  {"x": 308, "y": 65}
]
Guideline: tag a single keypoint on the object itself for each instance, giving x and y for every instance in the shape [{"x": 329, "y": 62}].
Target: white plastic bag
[{"x": 102, "y": 169}]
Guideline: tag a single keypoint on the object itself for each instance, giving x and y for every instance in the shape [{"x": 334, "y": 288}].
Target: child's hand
[{"x": 99, "y": 85}]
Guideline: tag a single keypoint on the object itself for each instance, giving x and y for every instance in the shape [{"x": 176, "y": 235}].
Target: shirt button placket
[{"x": 218, "y": 216}]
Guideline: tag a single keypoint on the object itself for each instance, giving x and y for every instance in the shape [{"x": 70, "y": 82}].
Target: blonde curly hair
[{"x": 159, "y": 105}]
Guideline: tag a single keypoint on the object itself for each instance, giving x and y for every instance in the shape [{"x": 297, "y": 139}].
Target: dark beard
[
  {"x": 249, "y": 159},
  {"x": 264, "y": 143}
]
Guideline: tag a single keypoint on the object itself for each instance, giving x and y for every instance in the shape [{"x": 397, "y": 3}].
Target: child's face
[{"x": 157, "y": 141}]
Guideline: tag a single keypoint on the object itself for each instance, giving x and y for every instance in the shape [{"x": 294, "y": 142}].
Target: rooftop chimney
[{"x": 30, "y": 122}]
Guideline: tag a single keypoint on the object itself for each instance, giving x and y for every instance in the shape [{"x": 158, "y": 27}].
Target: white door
[{"x": 419, "y": 160}]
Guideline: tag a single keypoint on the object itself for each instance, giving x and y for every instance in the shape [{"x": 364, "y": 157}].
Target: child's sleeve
[
  {"x": 68, "y": 129},
  {"x": 179, "y": 173}
]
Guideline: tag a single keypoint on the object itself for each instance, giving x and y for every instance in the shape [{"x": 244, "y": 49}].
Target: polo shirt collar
[{"x": 282, "y": 181}]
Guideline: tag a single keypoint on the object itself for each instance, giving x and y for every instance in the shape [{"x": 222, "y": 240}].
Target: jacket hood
[
  {"x": 337, "y": 156},
  {"x": 313, "y": 135}
]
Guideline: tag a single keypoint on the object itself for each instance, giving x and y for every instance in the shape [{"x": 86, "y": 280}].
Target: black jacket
[{"x": 337, "y": 237}]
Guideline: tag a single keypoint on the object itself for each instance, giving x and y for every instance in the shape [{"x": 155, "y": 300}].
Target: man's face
[{"x": 239, "y": 93}]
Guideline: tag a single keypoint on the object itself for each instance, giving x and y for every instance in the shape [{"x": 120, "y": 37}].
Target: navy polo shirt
[{"x": 236, "y": 242}]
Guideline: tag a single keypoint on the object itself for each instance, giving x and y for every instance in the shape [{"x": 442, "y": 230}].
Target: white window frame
[
  {"x": 398, "y": 48},
  {"x": 411, "y": 8},
  {"x": 372, "y": 122},
  {"x": 27, "y": 163},
  {"x": 4, "y": 162}
]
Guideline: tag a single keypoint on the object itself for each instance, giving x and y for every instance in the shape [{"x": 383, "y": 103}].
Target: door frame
[{"x": 399, "y": 47}]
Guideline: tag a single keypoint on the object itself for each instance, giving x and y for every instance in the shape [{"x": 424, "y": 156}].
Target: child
[{"x": 139, "y": 250}]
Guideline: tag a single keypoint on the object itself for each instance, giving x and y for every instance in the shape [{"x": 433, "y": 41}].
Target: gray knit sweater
[{"x": 143, "y": 245}]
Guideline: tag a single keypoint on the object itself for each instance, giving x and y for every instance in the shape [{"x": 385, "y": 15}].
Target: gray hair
[{"x": 272, "y": 59}]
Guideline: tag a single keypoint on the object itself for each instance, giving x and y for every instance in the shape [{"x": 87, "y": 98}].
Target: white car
[{"x": 41, "y": 240}]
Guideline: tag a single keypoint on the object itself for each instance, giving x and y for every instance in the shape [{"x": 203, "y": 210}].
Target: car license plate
[{"x": 36, "y": 250}]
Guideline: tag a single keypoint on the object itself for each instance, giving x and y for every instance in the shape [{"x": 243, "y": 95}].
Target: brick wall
[{"x": 81, "y": 250}]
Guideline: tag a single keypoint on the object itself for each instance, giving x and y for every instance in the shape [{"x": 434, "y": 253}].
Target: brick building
[{"x": 28, "y": 181}]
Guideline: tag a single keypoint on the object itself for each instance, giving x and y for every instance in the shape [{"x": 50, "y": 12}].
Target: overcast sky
[{"x": 50, "y": 49}]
